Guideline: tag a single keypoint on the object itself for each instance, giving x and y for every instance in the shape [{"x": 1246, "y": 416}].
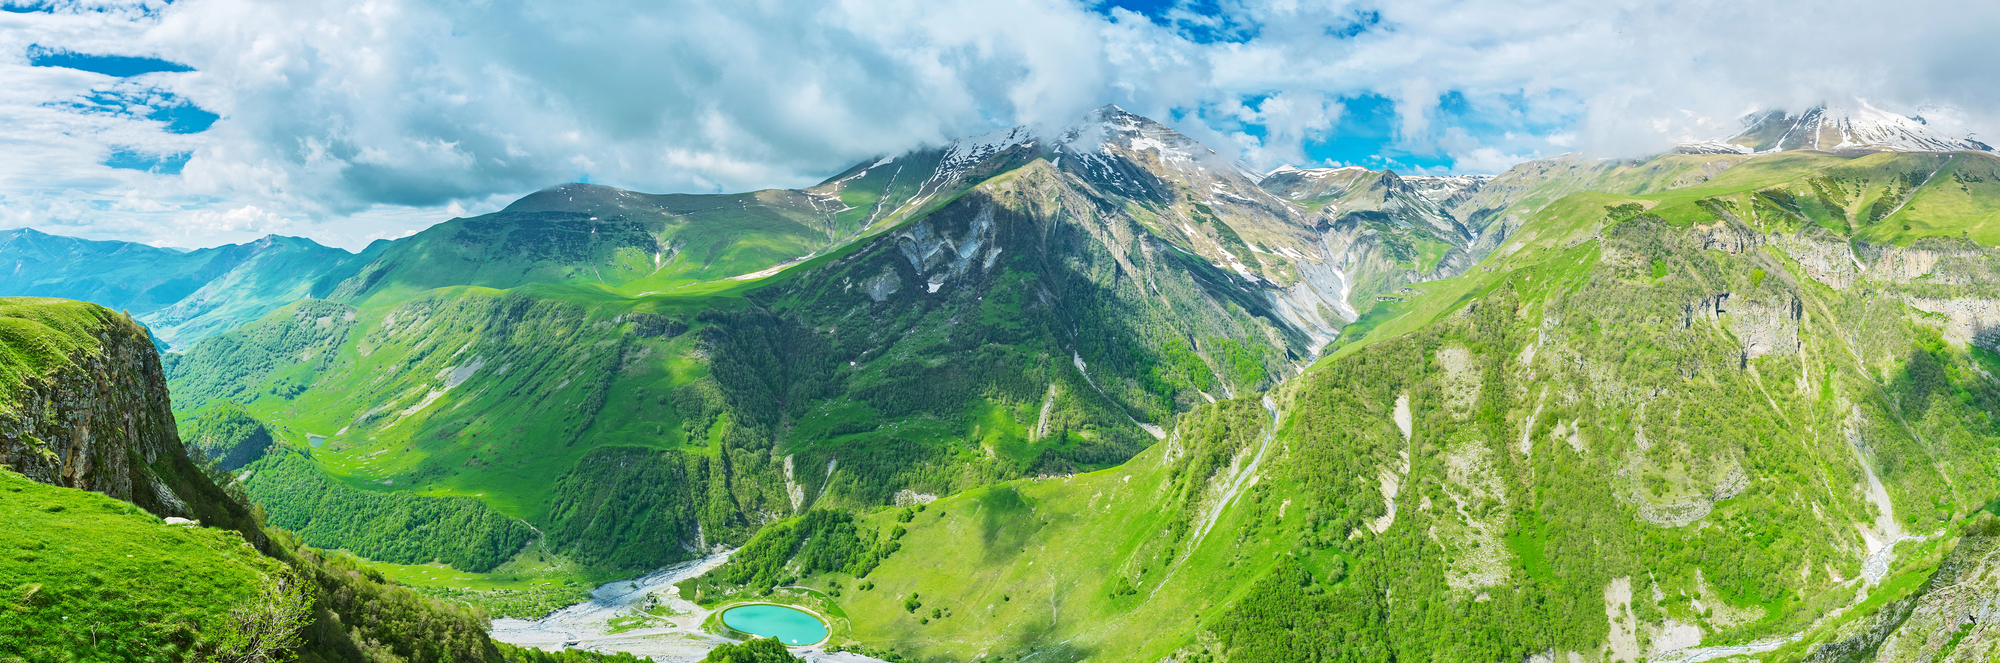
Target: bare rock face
[
  {"x": 1949, "y": 619},
  {"x": 1954, "y": 618},
  {"x": 98, "y": 418},
  {"x": 1840, "y": 264}
]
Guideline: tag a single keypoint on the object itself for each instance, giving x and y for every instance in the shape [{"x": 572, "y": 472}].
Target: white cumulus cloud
[{"x": 347, "y": 121}]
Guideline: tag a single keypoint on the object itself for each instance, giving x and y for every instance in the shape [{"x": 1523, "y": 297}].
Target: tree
[
  {"x": 757, "y": 650},
  {"x": 267, "y": 629}
]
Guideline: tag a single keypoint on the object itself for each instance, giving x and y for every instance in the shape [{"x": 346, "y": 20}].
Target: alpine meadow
[{"x": 1079, "y": 390}]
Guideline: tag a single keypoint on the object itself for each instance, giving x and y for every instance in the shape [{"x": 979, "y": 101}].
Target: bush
[{"x": 757, "y": 650}]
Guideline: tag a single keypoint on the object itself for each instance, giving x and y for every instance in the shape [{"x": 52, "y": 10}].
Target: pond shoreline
[{"x": 825, "y": 622}]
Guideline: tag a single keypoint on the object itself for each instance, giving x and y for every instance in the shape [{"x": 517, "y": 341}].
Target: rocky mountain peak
[{"x": 1853, "y": 127}]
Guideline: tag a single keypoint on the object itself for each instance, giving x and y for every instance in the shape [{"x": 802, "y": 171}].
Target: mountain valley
[{"x": 1083, "y": 393}]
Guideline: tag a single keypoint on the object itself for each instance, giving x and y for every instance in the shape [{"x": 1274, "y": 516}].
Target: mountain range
[
  {"x": 182, "y": 296},
  {"x": 1098, "y": 393},
  {"x": 1858, "y": 127}
]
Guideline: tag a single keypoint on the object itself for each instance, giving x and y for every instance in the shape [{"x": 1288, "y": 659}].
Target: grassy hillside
[
  {"x": 225, "y": 434},
  {"x": 89, "y": 577},
  {"x": 636, "y": 244},
  {"x": 85, "y": 576},
  {"x": 39, "y": 336},
  {"x": 1648, "y": 423},
  {"x": 391, "y": 527},
  {"x": 1002, "y": 335},
  {"x": 583, "y": 234},
  {"x": 1112, "y": 564}
]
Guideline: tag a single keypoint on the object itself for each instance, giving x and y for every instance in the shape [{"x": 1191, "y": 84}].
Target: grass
[
  {"x": 529, "y": 586},
  {"x": 39, "y": 335},
  {"x": 1030, "y": 566},
  {"x": 1035, "y": 567},
  {"x": 84, "y": 577},
  {"x": 1024, "y": 565},
  {"x": 532, "y": 409},
  {"x": 481, "y": 439},
  {"x": 625, "y": 242},
  {"x": 639, "y": 245}
]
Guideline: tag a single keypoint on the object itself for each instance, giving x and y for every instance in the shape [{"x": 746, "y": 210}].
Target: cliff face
[{"x": 85, "y": 406}]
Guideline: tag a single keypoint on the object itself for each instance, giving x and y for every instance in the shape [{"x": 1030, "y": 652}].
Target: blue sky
[{"x": 199, "y": 122}]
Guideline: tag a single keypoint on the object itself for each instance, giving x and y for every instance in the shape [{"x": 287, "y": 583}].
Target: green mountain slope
[
  {"x": 94, "y": 578},
  {"x": 636, "y": 244},
  {"x": 1645, "y": 425},
  {"x": 1035, "y": 322},
  {"x": 1096, "y": 394},
  {"x": 119, "y": 571},
  {"x": 227, "y": 435}
]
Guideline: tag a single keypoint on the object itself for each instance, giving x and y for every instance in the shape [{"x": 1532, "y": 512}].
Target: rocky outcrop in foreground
[{"x": 83, "y": 404}]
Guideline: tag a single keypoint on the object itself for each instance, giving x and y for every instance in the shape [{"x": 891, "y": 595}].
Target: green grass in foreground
[{"x": 84, "y": 577}]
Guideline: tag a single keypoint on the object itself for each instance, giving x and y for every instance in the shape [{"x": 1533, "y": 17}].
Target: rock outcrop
[{"x": 87, "y": 408}]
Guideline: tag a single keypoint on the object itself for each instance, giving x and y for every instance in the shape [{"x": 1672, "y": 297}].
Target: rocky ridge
[{"x": 99, "y": 418}]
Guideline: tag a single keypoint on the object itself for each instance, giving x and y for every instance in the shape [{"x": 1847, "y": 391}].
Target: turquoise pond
[{"x": 792, "y": 627}]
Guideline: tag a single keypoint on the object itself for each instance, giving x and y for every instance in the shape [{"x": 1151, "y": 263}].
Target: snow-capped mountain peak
[
  {"x": 965, "y": 152},
  {"x": 1855, "y": 127}
]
